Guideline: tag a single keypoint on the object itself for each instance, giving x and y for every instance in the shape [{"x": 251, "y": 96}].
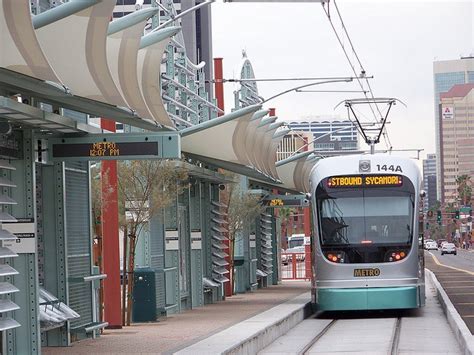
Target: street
[{"x": 464, "y": 259}]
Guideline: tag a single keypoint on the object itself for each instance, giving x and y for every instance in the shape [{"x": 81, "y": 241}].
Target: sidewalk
[{"x": 178, "y": 331}]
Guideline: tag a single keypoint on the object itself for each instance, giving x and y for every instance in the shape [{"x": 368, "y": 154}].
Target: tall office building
[
  {"x": 329, "y": 133},
  {"x": 429, "y": 181},
  {"x": 456, "y": 127},
  {"x": 446, "y": 74},
  {"x": 196, "y": 28}
]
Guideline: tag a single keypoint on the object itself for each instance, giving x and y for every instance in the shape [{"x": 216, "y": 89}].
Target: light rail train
[{"x": 367, "y": 244}]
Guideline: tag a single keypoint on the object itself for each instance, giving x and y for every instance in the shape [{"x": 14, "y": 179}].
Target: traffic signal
[
  {"x": 438, "y": 216},
  {"x": 457, "y": 215}
]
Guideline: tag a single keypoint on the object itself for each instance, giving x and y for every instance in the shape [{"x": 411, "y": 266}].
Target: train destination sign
[
  {"x": 365, "y": 181},
  {"x": 121, "y": 146}
]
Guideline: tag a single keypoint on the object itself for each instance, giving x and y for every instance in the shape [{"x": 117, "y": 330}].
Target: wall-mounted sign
[
  {"x": 118, "y": 146},
  {"x": 105, "y": 149},
  {"x": 276, "y": 202},
  {"x": 10, "y": 145},
  {"x": 448, "y": 112},
  {"x": 24, "y": 229}
]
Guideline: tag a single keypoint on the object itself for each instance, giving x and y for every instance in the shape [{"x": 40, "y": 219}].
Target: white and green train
[{"x": 367, "y": 246}]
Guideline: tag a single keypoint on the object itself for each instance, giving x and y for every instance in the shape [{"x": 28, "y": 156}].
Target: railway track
[{"x": 422, "y": 331}]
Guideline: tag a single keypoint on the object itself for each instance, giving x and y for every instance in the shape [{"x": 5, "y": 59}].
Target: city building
[
  {"x": 295, "y": 142},
  {"x": 456, "y": 127},
  {"x": 466, "y": 155},
  {"x": 429, "y": 181},
  {"x": 328, "y": 133},
  {"x": 446, "y": 74}
]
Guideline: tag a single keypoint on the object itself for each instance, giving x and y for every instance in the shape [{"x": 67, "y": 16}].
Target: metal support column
[
  {"x": 197, "y": 291},
  {"x": 275, "y": 246},
  {"x": 110, "y": 239},
  {"x": 25, "y": 339},
  {"x": 53, "y": 224}
]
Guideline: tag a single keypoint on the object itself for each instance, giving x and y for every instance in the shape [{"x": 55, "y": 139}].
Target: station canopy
[
  {"x": 74, "y": 57},
  {"x": 223, "y": 142},
  {"x": 294, "y": 171}
]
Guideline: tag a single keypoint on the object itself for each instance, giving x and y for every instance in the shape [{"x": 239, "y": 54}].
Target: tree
[
  {"x": 464, "y": 189},
  {"x": 145, "y": 187},
  {"x": 242, "y": 209},
  {"x": 285, "y": 214}
]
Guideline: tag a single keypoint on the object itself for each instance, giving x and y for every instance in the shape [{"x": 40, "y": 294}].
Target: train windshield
[{"x": 366, "y": 223}]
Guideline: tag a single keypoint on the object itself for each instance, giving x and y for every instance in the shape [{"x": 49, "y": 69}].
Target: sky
[{"x": 396, "y": 41}]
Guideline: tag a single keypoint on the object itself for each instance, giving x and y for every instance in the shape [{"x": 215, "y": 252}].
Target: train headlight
[
  {"x": 335, "y": 256},
  {"x": 396, "y": 255}
]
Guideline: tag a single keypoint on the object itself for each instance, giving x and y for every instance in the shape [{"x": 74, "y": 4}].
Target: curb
[
  {"x": 255, "y": 333},
  {"x": 461, "y": 332}
]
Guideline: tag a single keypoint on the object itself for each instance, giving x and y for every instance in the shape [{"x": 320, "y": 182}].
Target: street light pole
[{"x": 343, "y": 80}]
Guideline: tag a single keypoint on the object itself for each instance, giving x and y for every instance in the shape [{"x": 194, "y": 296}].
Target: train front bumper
[{"x": 345, "y": 299}]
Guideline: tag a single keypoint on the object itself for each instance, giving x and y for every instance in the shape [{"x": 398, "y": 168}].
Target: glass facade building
[{"x": 429, "y": 181}]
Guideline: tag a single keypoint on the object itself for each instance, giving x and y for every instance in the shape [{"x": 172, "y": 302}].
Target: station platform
[
  {"x": 177, "y": 332},
  {"x": 247, "y": 323}
]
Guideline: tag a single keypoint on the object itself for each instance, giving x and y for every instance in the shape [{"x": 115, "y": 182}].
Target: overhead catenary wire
[
  {"x": 385, "y": 133},
  {"x": 362, "y": 74}
]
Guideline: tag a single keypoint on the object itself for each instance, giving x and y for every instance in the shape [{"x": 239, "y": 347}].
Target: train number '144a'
[{"x": 393, "y": 168}]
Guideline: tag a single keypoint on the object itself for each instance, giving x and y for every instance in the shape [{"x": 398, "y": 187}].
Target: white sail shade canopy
[
  {"x": 152, "y": 48},
  {"x": 78, "y": 54},
  {"x": 290, "y": 171},
  {"x": 20, "y": 50}
]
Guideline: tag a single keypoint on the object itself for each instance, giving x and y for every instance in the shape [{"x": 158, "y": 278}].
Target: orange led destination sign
[{"x": 365, "y": 181}]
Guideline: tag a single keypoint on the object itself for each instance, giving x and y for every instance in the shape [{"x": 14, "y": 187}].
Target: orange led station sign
[{"x": 365, "y": 181}]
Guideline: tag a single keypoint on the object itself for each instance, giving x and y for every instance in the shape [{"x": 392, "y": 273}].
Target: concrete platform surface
[{"x": 179, "y": 331}]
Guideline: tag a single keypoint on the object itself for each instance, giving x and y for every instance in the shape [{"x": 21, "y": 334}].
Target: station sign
[
  {"x": 25, "y": 231},
  {"x": 117, "y": 146},
  {"x": 276, "y": 201}
]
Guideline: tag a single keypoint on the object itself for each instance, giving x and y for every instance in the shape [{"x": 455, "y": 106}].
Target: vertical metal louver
[
  {"x": 266, "y": 243},
  {"x": 6, "y": 288},
  {"x": 218, "y": 235}
]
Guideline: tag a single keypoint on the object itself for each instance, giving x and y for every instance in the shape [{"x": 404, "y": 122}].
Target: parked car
[
  {"x": 431, "y": 245},
  {"x": 448, "y": 248}
]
